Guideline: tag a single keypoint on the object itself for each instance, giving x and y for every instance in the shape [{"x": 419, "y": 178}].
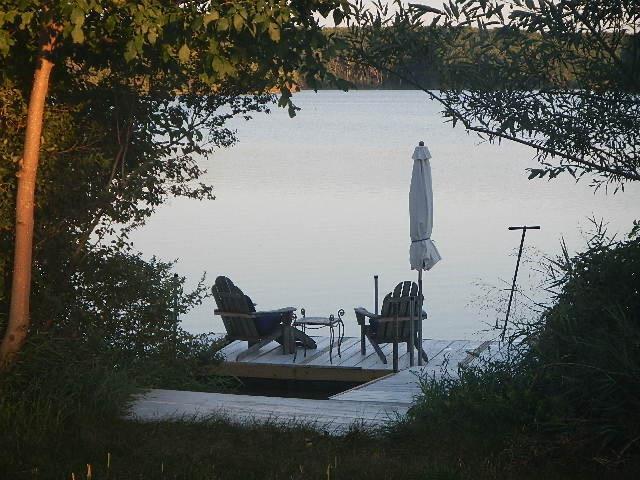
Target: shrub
[
  {"x": 589, "y": 343},
  {"x": 574, "y": 379}
]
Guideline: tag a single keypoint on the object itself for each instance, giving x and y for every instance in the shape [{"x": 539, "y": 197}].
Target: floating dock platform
[{"x": 350, "y": 366}]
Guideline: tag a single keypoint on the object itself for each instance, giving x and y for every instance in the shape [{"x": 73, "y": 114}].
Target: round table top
[{"x": 328, "y": 321}]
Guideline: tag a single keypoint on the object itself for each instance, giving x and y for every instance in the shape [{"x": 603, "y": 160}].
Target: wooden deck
[
  {"x": 351, "y": 366},
  {"x": 404, "y": 386},
  {"x": 371, "y": 405},
  {"x": 332, "y": 416}
]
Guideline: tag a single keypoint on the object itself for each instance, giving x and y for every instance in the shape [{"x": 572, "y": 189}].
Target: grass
[{"x": 216, "y": 450}]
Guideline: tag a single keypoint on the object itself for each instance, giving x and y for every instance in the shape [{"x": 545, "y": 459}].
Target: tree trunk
[{"x": 19, "y": 319}]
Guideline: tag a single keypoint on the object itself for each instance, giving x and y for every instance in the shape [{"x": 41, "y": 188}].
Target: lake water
[{"x": 309, "y": 209}]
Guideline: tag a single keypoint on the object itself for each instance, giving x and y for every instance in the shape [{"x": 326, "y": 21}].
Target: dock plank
[
  {"x": 444, "y": 358},
  {"x": 348, "y": 347}
]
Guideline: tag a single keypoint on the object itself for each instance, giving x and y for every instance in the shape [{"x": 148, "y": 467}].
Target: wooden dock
[
  {"x": 351, "y": 366},
  {"x": 332, "y": 416},
  {"x": 371, "y": 405}
]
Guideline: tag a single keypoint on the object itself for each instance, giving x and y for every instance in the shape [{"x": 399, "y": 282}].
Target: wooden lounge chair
[
  {"x": 243, "y": 323},
  {"x": 393, "y": 325}
]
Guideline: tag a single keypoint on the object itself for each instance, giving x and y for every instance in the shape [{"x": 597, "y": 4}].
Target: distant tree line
[
  {"x": 560, "y": 77},
  {"x": 445, "y": 58}
]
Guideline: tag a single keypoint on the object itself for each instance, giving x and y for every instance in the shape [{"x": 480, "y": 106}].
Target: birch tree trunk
[{"x": 19, "y": 319}]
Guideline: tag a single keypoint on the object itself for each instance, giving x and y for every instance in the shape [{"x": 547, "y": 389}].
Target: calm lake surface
[{"x": 309, "y": 209}]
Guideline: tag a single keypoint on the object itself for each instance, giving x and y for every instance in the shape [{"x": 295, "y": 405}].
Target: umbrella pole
[{"x": 419, "y": 317}]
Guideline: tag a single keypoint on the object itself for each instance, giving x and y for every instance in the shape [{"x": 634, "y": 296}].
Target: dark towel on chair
[{"x": 267, "y": 322}]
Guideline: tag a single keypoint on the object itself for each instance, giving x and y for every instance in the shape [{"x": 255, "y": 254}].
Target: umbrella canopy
[{"x": 423, "y": 254}]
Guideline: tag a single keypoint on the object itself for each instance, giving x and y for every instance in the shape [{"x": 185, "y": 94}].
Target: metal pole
[
  {"x": 515, "y": 275},
  {"x": 176, "y": 282},
  {"x": 412, "y": 333},
  {"x": 420, "y": 301},
  {"x": 375, "y": 292}
]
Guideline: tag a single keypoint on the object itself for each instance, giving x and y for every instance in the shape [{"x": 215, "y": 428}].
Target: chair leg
[
  {"x": 287, "y": 338},
  {"x": 309, "y": 342},
  {"x": 421, "y": 351},
  {"x": 411, "y": 352},
  {"x": 376, "y": 347},
  {"x": 395, "y": 356},
  {"x": 258, "y": 345}
]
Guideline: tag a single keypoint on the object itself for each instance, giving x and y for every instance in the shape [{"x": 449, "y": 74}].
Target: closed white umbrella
[{"x": 423, "y": 254}]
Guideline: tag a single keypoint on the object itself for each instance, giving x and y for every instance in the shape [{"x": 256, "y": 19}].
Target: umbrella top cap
[{"x": 421, "y": 152}]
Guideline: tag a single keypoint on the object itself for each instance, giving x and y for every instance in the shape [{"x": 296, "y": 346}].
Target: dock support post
[{"x": 375, "y": 293}]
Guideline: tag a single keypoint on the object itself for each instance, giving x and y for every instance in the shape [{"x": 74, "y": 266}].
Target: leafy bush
[
  {"x": 115, "y": 330},
  {"x": 573, "y": 381},
  {"x": 63, "y": 393},
  {"x": 589, "y": 343}
]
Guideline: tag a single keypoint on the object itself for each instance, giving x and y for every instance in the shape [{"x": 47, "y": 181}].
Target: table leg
[
  {"x": 340, "y": 330},
  {"x": 331, "y": 337},
  {"x": 304, "y": 330}
]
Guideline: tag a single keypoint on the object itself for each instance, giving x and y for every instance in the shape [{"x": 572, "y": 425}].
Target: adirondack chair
[
  {"x": 393, "y": 324},
  {"x": 243, "y": 323}
]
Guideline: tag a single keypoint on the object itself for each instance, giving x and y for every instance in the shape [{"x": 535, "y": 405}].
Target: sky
[{"x": 328, "y": 22}]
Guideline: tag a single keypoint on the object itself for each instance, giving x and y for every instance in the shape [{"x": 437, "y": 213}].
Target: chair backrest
[
  {"x": 397, "y": 304},
  {"x": 231, "y": 300}
]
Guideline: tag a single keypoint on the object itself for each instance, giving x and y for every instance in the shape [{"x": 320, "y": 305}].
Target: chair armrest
[
  {"x": 365, "y": 312},
  {"x": 362, "y": 314},
  {"x": 279, "y": 310},
  {"x": 232, "y": 314}
]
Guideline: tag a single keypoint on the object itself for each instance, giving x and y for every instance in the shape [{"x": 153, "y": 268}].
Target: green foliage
[
  {"x": 214, "y": 449},
  {"x": 589, "y": 343},
  {"x": 63, "y": 395},
  {"x": 191, "y": 46},
  {"x": 572, "y": 384},
  {"x": 494, "y": 400},
  {"x": 130, "y": 303},
  {"x": 110, "y": 156},
  {"x": 559, "y": 77},
  {"x": 87, "y": 282},
  {"x": 58, "y": 389}
]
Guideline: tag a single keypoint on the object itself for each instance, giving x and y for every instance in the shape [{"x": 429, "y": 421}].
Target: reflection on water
[{"x": 309, "y": 209}]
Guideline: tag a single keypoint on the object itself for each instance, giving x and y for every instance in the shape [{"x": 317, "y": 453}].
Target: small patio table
[{"x": 314, "y": 323}]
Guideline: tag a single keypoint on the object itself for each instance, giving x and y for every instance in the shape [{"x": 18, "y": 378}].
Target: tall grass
[
  {"x": 61, "y": 398},
  {"x": 56, "y": 393}
]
